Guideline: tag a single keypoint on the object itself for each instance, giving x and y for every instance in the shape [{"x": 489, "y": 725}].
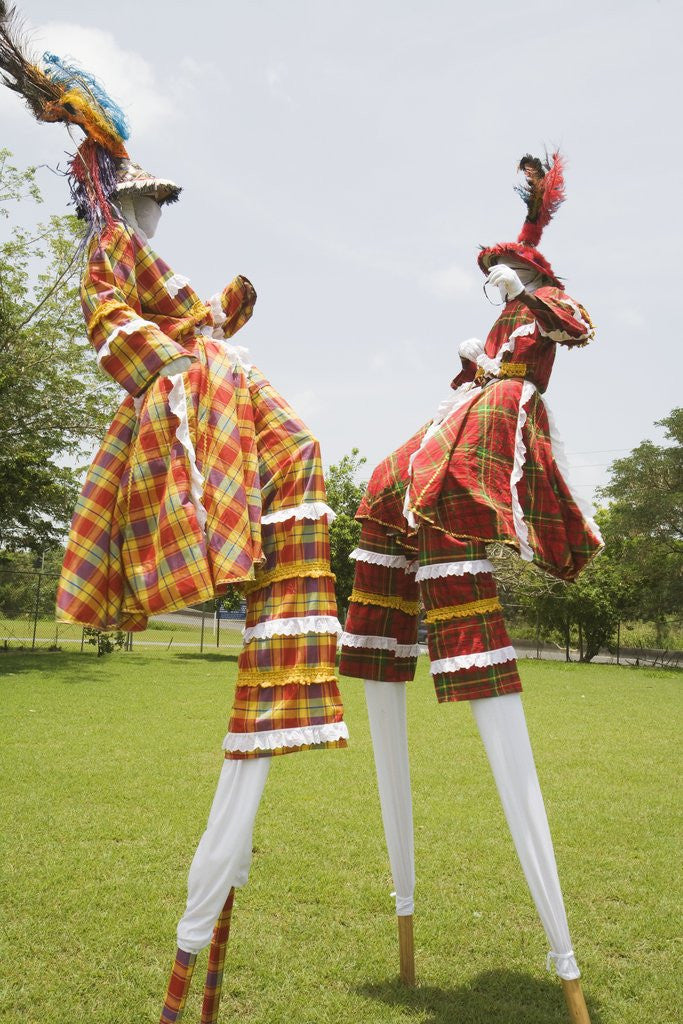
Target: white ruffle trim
[
  {"x": 482, "y": 659},
  {"x": 307, "y": 510},
  {"x": 562, "y": 463},
  {"x": 216, "y": 307},
  {"x": 136, "y": 324},
  {"x": 273, "y": 739},
  {"x": 460, "y": 397},
  {"x": 378, "y": 558},
  {"x": 441, "y": 569},
  {"x": 177, "y": 401},
  {"x": 379, "y": 643},
  {"x": 293, "y": 627},
  {"x": 492, "y": 366},
  {"x": 521, "y": 528},
  {"x": 175, "y": 284},
  {"x": 558, "y": 334}
]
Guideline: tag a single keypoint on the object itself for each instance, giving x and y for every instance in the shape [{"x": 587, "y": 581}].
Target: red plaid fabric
[
  {"x": 292, "y": 598},
  {"x": 368, "y": 620},
  {"x": 214, "y": 972},
  {"x": 461, "y": 481},
  {"x": 469, "y": 648},
  {"x": 136, "y": 544},
  {"x": 178, "y": 987},
  {"x": 280, "y": 710},
  {"x": 461, "y": 477},
  {"x": 286, "y": 682}
]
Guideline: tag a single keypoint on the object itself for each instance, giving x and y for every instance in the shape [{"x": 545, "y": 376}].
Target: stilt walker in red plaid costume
[
  {"x": 489, "y": 468},
  {"x": 206, "y": 478}
]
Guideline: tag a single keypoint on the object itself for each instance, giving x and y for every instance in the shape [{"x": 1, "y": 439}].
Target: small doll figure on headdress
[{"x": 206, "y": 478}]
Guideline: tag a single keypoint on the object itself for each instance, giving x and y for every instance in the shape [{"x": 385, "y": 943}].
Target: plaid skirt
[{"x": 493, "y": 471}]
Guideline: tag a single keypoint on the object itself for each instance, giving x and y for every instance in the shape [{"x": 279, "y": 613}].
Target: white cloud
[
  {"x": 130, "y": 79},
  {"x": 451, "y": 283}
]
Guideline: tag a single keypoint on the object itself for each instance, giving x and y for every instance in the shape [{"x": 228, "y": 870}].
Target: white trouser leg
[
  {"x": 388, "y": 727},
  {"x": 223, "y": 857},
  {"x": 502, "y": 727}
]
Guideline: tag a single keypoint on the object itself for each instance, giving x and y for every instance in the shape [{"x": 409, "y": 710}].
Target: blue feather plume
[{"x": 69, "y": 75}]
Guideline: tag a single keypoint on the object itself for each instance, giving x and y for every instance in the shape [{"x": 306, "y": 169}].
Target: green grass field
[{"x": 108, "y": 769}]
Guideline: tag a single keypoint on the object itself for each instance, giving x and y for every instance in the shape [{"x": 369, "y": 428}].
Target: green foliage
[
  {"x": 104, "y": 642},
  {"x": 643, "y": 526},
  {"x": 53, "y": 399},
  {"x": 344, "y": 495}
]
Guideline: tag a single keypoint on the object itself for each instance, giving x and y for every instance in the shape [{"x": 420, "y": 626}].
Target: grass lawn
[{"x": 108, "y": 769}]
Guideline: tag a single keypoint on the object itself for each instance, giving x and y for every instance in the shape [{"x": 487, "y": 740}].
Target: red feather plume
[{"x": 544, "y": 193}]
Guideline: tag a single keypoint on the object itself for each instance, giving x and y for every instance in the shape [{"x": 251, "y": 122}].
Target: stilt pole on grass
[
  {"x": 576, "y": 1004},
  {"x": 214, "y": 972},
  {"x": 406, "y": 950}
]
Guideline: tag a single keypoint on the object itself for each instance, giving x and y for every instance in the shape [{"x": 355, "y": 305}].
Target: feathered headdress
[
  {"x": 543, "y": 192},
  {"x": 59, "y": 90}
]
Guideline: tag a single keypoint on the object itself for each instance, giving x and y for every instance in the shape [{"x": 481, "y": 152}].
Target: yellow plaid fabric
[{"x": 287, "y": 694}]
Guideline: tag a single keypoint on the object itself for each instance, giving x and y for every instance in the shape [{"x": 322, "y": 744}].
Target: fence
[{"x": 27, "y": 620}]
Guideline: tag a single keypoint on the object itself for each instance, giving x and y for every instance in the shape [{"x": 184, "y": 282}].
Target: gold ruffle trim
[
  {"x": 461, "y": 611},
  {"x": 286, "y": 572},
  {"x": 409, "y": 607},
  {"x": 284, "y": 676},
  {"x": 104, "y": 310}
]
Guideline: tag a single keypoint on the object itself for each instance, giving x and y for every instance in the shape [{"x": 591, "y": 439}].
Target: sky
[{"x": 350, "y": 158}]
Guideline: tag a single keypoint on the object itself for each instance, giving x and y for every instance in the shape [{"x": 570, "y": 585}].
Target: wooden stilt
[
  {"x": 214, "y": 972},
  {"x": 576, "y": 1004},
  {"x": 406, "y": 950}
]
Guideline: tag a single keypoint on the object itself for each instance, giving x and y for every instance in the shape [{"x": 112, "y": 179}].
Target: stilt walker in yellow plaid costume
[
  {"x": 206, "y": 478},
  {"x": 488, "y": 468}
]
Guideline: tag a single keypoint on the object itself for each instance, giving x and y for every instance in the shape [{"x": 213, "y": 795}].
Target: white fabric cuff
[
  {"x": 273, "y": 739},
  {"x": 307, "y": 510}
]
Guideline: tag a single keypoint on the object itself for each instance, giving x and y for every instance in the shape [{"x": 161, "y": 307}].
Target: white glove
[
  {"x": 470, "y": 349},
  {"x": 506, "y": 280},
  {"x": 179, "y": 365}
]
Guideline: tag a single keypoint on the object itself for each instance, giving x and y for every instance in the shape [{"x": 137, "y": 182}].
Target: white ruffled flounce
[
  {"x": 307, "y": 510},
  {"x": 379, "y": 643},
  {"x": 390, "y": 561},
  {"x": 293, "y": 627},
  {"x": 177, "y": 401},
  {"x": 441, "y": 569},
  {"x": 273, "y": 739},
  {"x": 521, "y": 528},
  {"x": 481, "y": 659}
]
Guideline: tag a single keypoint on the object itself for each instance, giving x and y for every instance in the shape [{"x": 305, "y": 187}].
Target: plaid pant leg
[
  {"x": 380, "y": 636},
  {"x": 469, "y": 648},
  {"x": 287, "y": 697}
]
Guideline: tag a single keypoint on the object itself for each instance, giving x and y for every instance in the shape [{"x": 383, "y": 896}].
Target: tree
[
  {"x": 643, "y": 526},
  {"x": 344, "y": 496},
  {"x": 54, "y": 400}
]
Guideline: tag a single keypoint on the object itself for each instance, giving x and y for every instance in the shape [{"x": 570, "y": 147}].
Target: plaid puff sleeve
[
  {"x": 559, "y": 317},
  {"x": 129, "y": 348},
  {"x": 232, "y": 307}
]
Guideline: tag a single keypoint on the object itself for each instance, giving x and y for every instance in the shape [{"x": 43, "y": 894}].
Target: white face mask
[{"x": 142, "y": 213}]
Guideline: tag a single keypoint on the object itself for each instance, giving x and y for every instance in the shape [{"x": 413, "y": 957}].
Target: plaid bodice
[
  {"x": 522, "y": 341},
  {"x": 140, "y": 315}
]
